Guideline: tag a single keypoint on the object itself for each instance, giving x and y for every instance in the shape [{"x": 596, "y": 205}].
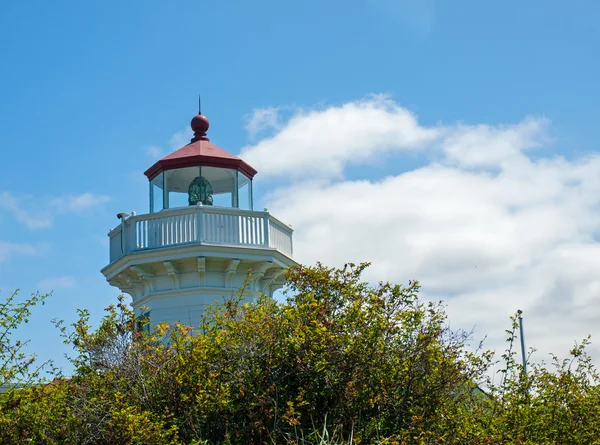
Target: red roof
[{"x": 200, "y": 152}]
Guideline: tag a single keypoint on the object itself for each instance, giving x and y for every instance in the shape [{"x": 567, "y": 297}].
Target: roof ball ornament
[
  {"x": 200, "y": 126},
  {"x": 200, "y": 192}
]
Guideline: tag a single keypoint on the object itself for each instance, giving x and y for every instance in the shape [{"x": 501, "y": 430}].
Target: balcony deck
[{"x": 200, "y": 225}]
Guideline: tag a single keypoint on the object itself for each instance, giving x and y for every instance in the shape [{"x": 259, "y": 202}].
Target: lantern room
[{"x": 200, "y": 173}]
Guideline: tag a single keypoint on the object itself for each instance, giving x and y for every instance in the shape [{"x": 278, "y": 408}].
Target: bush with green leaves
[
  {"x": 339, "y": 361},
  {"x": 556, "y": 403},
  {"x": 17, "y": 368}
]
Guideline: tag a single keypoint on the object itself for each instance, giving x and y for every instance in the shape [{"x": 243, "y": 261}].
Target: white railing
[
  {"x": 200, "y": 224},
  {"x": 280, "y": 236}
]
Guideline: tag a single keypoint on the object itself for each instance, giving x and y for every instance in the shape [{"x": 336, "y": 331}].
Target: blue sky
[{"x": 406, "y": 95}]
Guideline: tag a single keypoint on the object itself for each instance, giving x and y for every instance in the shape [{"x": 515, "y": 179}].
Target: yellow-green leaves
[{"x": 338, "y": 362}]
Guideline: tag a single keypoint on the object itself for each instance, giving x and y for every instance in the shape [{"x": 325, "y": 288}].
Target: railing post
[
  {"x": 117, "y": 249},
  {"x": 124, "y": 246},
  {"x": 266, "y": 228},
  {"x": 199, "y": 224},
  {"x": 134, "y": 234},
  {"x": 128, "y": 235}
]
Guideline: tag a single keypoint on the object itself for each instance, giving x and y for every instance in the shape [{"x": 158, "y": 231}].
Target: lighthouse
[{"x": 201, "y": 240}]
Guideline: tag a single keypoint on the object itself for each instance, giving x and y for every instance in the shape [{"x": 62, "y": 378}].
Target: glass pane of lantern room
[
  {"x": 178, "y": 183},
  {"x": 222, "y": 181},
  {"x": 216, "y": 183},
  {"x": 244, "y": 192},
  {"x": 156, "y": 194}
]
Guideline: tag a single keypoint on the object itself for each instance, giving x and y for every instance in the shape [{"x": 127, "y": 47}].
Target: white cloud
[
  {"x": 77, "y": 203},
  {"x": 493, "y": 146},
  {"x": 176, "y": 141},
  {"x": 262, "y": 119},
  {"x": 55, "y": 283},
  {"x": 180, "y": 139},
  {"x": 33, "y": 220},
  {"x": 486, "y": 226},
  {"x": 154, "y": 152},
  {"x": 320, "y": 143},
  {"x": 40, "y": 214},
  {"x": 10, "y": 249}
]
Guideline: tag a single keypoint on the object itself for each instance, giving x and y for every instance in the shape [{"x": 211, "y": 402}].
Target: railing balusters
[
  {"x": 221, "y": 228},
  {"x": 172, "y": 230},
  {"x": 224, "y": 226},
  {"x": 169, "y": 228},
  {"x": 255, "y": 231},
  {"x": 201, "y": 224},
  {"x": 242, "y": 230},
  {"x": 248, "y": 231},
  {"x": 184, "y": 222}
]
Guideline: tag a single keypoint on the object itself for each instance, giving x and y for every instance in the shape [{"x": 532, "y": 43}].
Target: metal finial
[{"x": 199, "y": 104}]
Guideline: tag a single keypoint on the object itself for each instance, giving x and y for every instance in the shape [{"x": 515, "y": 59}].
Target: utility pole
[{"x": 520, "y": 313}]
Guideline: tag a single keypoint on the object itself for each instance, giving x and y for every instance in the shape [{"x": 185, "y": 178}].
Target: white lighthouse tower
[{"x": 201, "y": 240}]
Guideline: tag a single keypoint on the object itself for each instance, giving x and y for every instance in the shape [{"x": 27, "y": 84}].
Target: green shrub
[{"x": 338, "y": 362}]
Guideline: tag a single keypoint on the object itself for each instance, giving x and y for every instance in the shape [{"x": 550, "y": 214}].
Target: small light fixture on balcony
[{"x": 122, "y": 216}]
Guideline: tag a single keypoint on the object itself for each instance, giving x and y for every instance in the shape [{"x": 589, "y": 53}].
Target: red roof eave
[{"x": 200, "y": 160}]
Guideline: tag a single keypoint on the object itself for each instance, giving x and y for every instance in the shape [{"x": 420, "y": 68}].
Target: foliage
[
  {"x": 556, "y": 404},
  {"x": 338, "y": 362},
  {"x": 15, "y": 364}
]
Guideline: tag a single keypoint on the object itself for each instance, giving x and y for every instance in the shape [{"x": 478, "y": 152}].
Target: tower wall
[{"x": 174, "y": 285}]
